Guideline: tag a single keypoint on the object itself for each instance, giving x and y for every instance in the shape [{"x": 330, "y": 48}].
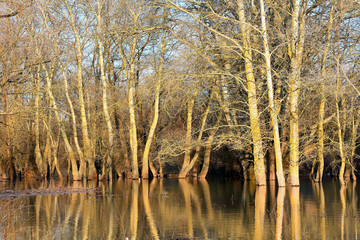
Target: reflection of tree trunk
[
  {"x": 86, "y": 210},
  {"x": 207, "y": 196},
  {"x": 354, "y": 202},
  {"x": 343, "y": 209},
  {"x": 295, "y": 213},
  {"x": 260, "y": 206},
  {"x": 37, "y": 216},
  {"x": 186, "y": 191},
  {"x": 149, "y": 216},
  {"x": 322, "y": 211},
  {"x": 134, "y": 209},
  {"x": 197, "y": 201},
  {"x": 280, "y": 213}
]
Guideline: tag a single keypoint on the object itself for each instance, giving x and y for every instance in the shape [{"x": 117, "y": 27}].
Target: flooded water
[{"x": 186, "y": 209}]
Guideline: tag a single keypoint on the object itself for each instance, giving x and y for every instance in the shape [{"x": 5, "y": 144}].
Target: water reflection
[{"x": 172, "y": 209}]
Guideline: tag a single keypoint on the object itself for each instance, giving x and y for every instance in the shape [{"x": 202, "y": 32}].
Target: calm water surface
[{"x": 187, "y": 209}]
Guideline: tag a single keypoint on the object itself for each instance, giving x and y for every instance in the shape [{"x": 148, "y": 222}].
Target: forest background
[{"x": 135, "y": 88}]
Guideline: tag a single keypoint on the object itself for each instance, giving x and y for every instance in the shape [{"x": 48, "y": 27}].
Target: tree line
[{"x": 103, "y": 89}]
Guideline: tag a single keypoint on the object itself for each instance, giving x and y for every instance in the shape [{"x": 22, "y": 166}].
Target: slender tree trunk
[
  {"x": 295, "y": 52},
  {"x": 8, "y": 173},
  {"x": 77, "y": 176},
  {"x": 273, "y": 112},
  {"x": 74, "y": 127},
  {"x": 38, "y": 156},
  {"x": 107, "y": 170},
  {"x": 145, "y": 168},
  {"x": 91, "y": 173},
  {"x": 187, "y": 156},
  {"x": 320, "y": 157},
  {"x": 353, "y": 142},
  {"x": 131, "y": 101},
  {"x": 339, "y": 125},
  {"x": 195, "y": 158},
  {"x": 259, "y": 166},
  {"x": 206, "y": 163}
]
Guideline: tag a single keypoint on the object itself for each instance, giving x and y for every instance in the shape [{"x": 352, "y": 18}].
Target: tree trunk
[
  {"x": 259, "y": 166},
  {"x": 131, "y": 101},
  {"x": 107, "y": 169},
  {"x": 273, "y": 112},
  {"x": 187, "y": 156},
  {"x": 91, "y": 173},
  {"x": 295, "y": 53},
  {"x": 320, "y": 156},
  {"x": 145, "y": 168},
  {"x": 77, "y": 176},
  {"x": 38, "y": 156},
  {"x": 74, "y": 127}
]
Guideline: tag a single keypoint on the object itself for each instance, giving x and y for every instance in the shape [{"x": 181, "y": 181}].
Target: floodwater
[{"x": 186, "y": 209}]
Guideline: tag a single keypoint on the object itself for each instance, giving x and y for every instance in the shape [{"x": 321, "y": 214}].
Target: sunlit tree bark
[
  {"x": 259, "y": 166},
  {"x": 107, "y": 166},
  {"x": 273, "y": 112},
  {"x": 295, "y": 54},
  {"x": 91, "y": 171}
]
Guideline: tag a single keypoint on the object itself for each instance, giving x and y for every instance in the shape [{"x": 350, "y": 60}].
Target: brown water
[{"x": 172, "y": 209}]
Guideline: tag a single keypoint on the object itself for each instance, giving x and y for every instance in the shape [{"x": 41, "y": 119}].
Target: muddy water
[{"x": 187, "y": 209}]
